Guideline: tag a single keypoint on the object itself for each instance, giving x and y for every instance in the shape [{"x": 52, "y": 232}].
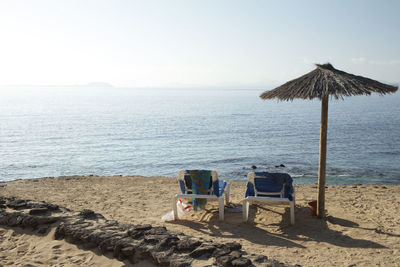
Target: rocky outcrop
[{"x": 124, "y": 241}]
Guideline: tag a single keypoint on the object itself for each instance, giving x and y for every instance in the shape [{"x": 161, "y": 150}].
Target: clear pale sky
[{"x": 216, "y": 43}]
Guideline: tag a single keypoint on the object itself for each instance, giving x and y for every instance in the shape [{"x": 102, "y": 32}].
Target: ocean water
[{"x": 59, "y": 131}]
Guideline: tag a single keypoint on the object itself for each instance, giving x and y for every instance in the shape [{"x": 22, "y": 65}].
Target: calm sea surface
[{"x": 54, "y": 131}]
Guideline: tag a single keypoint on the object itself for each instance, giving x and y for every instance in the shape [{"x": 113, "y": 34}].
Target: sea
[{"x": 51, "y": 131}]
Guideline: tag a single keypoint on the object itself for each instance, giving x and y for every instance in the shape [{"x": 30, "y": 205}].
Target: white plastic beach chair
[
  {"x": 273, "y": 188},
  {"x": 216, "y": 191}
]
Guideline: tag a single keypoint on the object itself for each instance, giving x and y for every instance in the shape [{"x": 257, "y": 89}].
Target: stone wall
[{"x": 124, "y": 241}]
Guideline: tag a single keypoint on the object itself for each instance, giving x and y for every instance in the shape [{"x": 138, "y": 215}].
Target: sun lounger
[
  {"x": 273, "y": 188},
  {"x": 211, "y": 189}
]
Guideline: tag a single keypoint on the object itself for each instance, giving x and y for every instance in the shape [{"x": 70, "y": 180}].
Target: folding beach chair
[
  {"x": 274, "y": 188},
  {"x": 212, "y": 188}
]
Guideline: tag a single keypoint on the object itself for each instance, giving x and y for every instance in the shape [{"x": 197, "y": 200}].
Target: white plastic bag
[{"x": 182, "y": 209}]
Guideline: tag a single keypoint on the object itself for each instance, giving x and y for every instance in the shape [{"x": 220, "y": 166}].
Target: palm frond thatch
[{"x": 325, "y": 80}]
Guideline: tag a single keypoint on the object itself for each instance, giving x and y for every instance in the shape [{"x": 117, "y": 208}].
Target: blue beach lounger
[
  {"x": 272, "y": 188},
  {"x": 201, "y": 185}
]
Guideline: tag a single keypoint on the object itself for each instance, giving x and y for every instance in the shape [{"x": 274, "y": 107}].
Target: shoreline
[
  {"x": 362, "y": 225},
  {"x": 174, "y": 177}
]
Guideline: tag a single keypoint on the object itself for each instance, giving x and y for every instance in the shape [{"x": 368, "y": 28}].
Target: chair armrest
[
  {"x": 182, "y": 186},
  {"x": 249, "y": 189}
]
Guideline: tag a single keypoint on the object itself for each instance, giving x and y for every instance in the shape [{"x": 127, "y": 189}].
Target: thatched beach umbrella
[{"x": 321, "y": 83}]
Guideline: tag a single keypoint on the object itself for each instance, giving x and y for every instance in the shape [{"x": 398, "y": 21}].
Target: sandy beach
[{"x": 362, "y": 226}]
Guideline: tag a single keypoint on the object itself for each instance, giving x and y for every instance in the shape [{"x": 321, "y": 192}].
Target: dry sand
[{"x": 362, "y": 227}]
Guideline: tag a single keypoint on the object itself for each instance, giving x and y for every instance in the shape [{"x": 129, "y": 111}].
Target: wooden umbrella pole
[{"x": 322, "y": 158}]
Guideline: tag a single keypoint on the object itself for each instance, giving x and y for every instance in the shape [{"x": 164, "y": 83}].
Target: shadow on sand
[{"x": 307, "y": 228}]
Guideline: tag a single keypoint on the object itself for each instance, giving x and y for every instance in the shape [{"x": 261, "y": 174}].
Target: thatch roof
[{"x": 325, "y": 80}]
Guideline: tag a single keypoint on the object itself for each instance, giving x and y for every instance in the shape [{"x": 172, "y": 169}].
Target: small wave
[
  {"x": 389, "y": 153},
  {"x": 241, "y": 114},
  {"x": 231, "y": 160}
]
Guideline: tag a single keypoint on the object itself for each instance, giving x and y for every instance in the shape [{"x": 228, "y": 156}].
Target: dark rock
[
  {"x": 94, "y": 237},
  {"x": 202, "y": 250},
  {"x": 235, "y": 254},
  {"x": 224, "y": 260},
  {"x": 31, "y": 221},
  {"x": 60, "y": 232},
  {"x": 128, "y": 251},
  {"x": 261, "y": 258},
  {"x": 233, "y": 245},
  {"x": 98, "y": 237},
  {"x": 85, "y": 237},
  {"x": 162, "y": 258},
  {"x": 135, "y": 234},
  {"x": 138, "y": 231},
  {"x": 46, "y": 220},
  {"x": 38, "y": 211},
  {"x": 81, "y": 223},
  {"x": 221, "y": 252},
  {"x": 143, "y": 227},
  {"x": 43, "y": 229},
  {"x": 180, "y": 262},
  {"x": 120, "y": 245},
  {"x": 106, "y": 246},
  {"x": 17, "y": 204},
  {"x": 168, "y": 242},
  {"x": 253, "y": 167},
  {"x": 187, "y": 244},
  {"x": 87, "y": 214},
  {"x": 241, "y": 262},
  {"x": 24, "y": 220},
  {"x": 80, "y": 235},
  {"x": 15, "y": 219},
  {"x": 161, "y": 230},
  {"x": 109, "y": 223},
  {"x": 154, "y": 239},
  {"x": 142, "y": 251},
  {"x": 48, "y": 206}
]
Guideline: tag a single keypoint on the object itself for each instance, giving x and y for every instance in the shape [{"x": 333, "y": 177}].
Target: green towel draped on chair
[{"x": 200, "y": 185}]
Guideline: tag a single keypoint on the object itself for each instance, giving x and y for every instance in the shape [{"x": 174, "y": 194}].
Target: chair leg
[
  {"x": 174, "y": 208},
  {"x": 294, "y": 198},
  {"x": 221, "y": 208},
  {"x": 292, "y": 212},
  {"x": 245, "y": 209},
  {"x": 227, "y": 192}
]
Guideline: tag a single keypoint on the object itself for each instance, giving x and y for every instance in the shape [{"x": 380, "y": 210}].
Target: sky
[{"x": 187, "y": 43}]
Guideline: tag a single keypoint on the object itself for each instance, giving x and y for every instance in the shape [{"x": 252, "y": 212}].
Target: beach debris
[
  {"x": 125, "y": 241},
  {"x": 182, "y": 210},
  {"x": 313, "y": 207}
]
